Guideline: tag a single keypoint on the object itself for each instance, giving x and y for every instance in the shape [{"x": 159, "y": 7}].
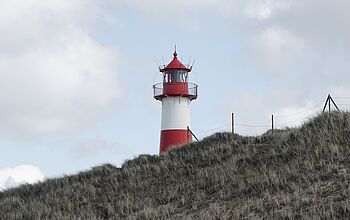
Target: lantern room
[
  {"x": 175, "y": 81},
  {"x": 171, "y": 76}
]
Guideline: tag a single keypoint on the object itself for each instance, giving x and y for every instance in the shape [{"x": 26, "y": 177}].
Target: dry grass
[{"x": 293, "y": 173}]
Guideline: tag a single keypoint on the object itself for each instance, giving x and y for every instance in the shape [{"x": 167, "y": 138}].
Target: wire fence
[
  {"x": 280, "y": 120},
  {"x": 342, "y": 100}
]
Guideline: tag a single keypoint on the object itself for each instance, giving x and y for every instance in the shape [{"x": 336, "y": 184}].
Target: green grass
[{"x": 293, "y": 173}]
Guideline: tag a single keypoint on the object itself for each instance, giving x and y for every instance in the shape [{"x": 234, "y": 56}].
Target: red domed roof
[{"x": 175, "y": 64}]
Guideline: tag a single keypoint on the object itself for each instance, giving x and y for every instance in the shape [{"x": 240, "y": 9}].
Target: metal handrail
[{"x": 158, "y": 89}]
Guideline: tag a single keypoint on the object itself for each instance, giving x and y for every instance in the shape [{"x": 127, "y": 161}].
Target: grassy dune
[{"x": 292, "y": 173}]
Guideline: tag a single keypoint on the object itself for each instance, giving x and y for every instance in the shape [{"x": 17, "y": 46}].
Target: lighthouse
[{"x": 176, "y": 94}]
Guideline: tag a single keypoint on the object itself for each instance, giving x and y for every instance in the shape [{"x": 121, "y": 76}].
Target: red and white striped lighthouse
[{"x": 176, "y": 94}]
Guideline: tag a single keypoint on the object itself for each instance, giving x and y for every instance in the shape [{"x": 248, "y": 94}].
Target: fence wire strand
[
  {"x": 341, "y": 98},
  {"x": 251, "y": 126},
  {"x": 300, "y": 112},
  {"x": 310, "y": 111}
]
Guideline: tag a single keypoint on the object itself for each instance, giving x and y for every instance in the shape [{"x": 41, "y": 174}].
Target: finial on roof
[{"x": 175, "y": 53}]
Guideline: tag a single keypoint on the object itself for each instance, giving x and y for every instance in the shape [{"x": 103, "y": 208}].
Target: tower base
[{"x": 173, "y": 138}]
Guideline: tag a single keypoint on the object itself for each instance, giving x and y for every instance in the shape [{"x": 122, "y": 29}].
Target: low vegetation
[{"x": 291, "y": 173}]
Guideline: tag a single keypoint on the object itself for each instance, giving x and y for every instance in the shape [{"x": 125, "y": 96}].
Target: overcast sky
[{"x": 76, "y": 76}]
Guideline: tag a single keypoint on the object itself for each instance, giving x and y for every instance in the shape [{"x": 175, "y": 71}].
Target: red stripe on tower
[
  {"x": 175, "y": 93},
  {"x": 173, "y": 138}
]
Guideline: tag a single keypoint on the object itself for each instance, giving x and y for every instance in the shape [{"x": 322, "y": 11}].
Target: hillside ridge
[{"x": 291, "y": 173}]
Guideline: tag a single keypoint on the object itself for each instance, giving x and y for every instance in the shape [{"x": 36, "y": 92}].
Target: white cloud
[
  {"x": 286, "y": 34},
  {"x": 182, "y": 12},
  {"x": 264, "y": 8},
  {"x": 88, "y": 148},
  {"x": 275, "y": 50},
  {"x": 14, "y": 176},
  {"x": 155, "y": 5},
  {"x": 54, "y": 77}
]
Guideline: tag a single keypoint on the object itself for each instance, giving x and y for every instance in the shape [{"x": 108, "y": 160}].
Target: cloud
[
  {"x": 307, "y": 34},
  {"x": 14, "y": 176},
  {"x": 269, "y": 50},
  {"x": 263, "y": 9},
  {"x": 54, "y": 76},
  {"x": 87, "y": 148},
  {"x": 180, "y": 5},
  {"x": 183, "y": 13}
]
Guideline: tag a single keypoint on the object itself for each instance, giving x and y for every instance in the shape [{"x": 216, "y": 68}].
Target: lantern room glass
[{"x": 175, "y": 76}]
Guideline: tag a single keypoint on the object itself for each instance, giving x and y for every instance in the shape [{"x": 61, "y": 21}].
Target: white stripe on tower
[{"x": 175, "y": 113}]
